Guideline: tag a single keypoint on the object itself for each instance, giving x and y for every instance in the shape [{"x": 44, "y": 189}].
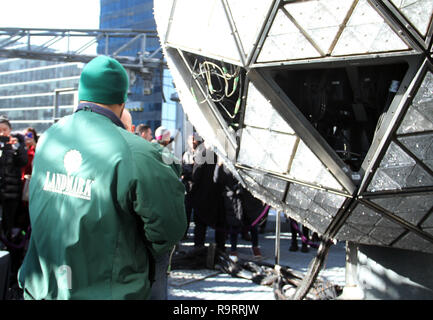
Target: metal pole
[
  {"x": 56, "y": 106},
  {"x": 277, "y": 237},
  {"x": 143, "y": 44},
  {"x": 69, "y": 42},
  {"x": 106, "y": 44},
  {"x": 313, "y": 271}
]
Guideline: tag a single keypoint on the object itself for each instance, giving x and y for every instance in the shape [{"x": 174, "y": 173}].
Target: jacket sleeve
[
  {"x": 159, "y": 202},
  {"x": 217, "y": 175},
  {"x": 169, "y": 158},
  {"x": 20, "y": 155}
]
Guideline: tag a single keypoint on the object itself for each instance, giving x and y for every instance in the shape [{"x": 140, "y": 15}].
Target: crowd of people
[
  {"x": 93, "y": 211},
  {"x": 17, "y": 151},
  {"x": 216, "y": 199}
]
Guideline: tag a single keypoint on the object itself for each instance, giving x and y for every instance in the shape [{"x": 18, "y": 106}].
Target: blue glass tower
[{"x": 145, "y": 105}]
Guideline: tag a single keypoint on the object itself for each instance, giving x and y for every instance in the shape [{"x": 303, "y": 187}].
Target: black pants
[
  {"x": 200, "y": 235},
  {"x": 234, "y": 234},
  {"x": 294, "y": 232},
  {"x": 9, "y": 213},
  {"x": 188, "y": 211}
]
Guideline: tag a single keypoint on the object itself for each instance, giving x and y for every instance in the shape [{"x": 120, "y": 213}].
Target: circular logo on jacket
[{"x": 72, "y": 161}]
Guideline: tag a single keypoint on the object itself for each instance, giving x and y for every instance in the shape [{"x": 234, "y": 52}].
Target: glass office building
[
  {"x": 150, "y": 99},
  {"x": 29, "y": 90}
]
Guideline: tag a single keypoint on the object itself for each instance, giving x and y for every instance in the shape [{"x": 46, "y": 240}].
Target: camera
[{"x": 3, "y": 141}]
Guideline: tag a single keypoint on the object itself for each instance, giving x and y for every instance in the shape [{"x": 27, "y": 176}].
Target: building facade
[
  {"x": 149, "y": 99},
  {"x": 29, "y": 89}
]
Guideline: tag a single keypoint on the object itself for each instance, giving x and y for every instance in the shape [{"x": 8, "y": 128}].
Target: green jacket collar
[{"x": 100, "y": 110}]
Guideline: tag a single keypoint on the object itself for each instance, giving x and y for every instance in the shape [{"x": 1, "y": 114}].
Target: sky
[{"x": 52, "y": 14}]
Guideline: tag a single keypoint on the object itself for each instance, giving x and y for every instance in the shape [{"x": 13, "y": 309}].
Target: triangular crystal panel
[
  {"x": 261, "y": 148},
  {"x": 421, "y": 146},
  {"x": 397, "y": 171},
  {"x": 411, "y": 208},
  {"x": 367, "y": 32},
  {"x": 418, "y": 12},
  {"x": 321, "y": 20},
  {"x": 419, "y": 116},
  {"x": 279, "y": 44},
  {"x": 412, "y": 241},
  {"x": 207, "y": 33},
  {"x": 249, "y": 20}
]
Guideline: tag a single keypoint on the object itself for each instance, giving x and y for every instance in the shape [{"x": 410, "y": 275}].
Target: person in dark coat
[
  {"x": 241, "y": 209},
  {"x": 252, "y": 209},
  {"x": 13, "y": 156},
  {"x": 206, "y": 199},
  {"x": 187, "y": 166},
  {"x": 230, "y": 190},
  {"x": 295, "y": 230},
  {"x": 30, "y": 139}
]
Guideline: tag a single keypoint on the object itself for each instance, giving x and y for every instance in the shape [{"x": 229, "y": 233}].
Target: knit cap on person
[
  {"x": 103, "y": 80},
  {"x": 5, "y": 120},
  {"x": 162, "y": 134}
]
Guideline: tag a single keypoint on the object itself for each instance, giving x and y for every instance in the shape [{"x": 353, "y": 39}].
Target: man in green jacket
[{"x": 103, "y": 203}]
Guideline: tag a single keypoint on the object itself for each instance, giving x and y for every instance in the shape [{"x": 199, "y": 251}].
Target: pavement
[
  {"x": 208, "y": 284},
  {"x": 215, "y": 284}
]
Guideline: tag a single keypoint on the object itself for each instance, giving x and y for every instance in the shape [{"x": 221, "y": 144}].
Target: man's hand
[{"x": 12, "y": 140}]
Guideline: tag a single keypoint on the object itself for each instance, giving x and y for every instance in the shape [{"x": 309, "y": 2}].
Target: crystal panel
[
  {"x": 277, "y": 186},
  {"x": 318, "y": 207},
  {"x": 411, "y": 241},
  {"x": 364, "y": 225},
  {"x": 396, "y": 157},
  {"x": 386, "y": 231},
  {"x": 308, "y": 168},
  {"x": 349, "y": 233},
  {"x": 366, "y": 32},
  {"x": 398, "y": 170},
  {"x": 262, "y": 149},
  {"x": 364, "y": 217},
  {"x": 300, "y": 197},
  {"x": 419, "y": 116},
  {"x": 359, "y": 224},
  {"x": 411, "y": 208},
  {"x": 428, "y": 230},
  {"x": 320, "y": 222},
  {"x": 279, "y": 42},
  {"x": 207, "y": 33},
  {"x": 419, "y": 178},
  {"x": 418, "y": 12},
  {"x": 306, "y": 198},
  {"x": 428, "y": 223},
  {"x": 320, "y": 19},
  {"x": 260, "y": 113},
  {"x": 249, "y": 20},
  {"x": 421, "y": 146}
]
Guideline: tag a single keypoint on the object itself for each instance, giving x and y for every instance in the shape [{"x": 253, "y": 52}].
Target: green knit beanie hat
[{"x": 103, "y": 80}]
